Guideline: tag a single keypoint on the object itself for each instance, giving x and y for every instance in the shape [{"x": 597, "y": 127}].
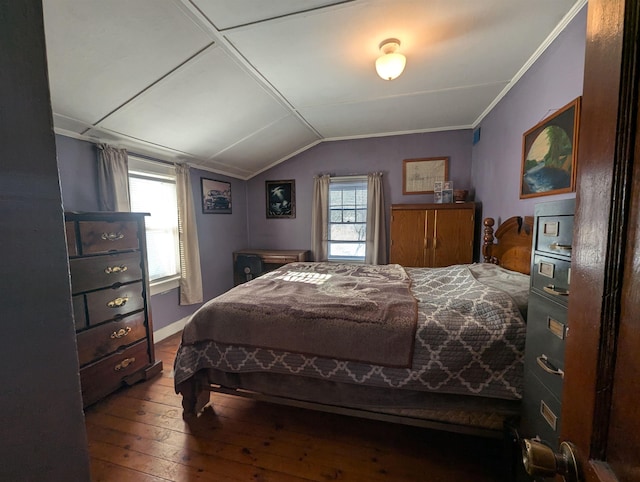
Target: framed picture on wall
[
  {"x": 420, "y": 175},
  {"x": 281, "y": 199},
  {"x": 216, "y": 196},
  {"x": 549, "y": 153}
]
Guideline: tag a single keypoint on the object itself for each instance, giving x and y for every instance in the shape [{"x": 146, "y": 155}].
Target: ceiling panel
[
  {"x": 225, "y": 14},
  {"x": 410, "y": 113},
  {"x": 269, "y": 145},
  {"x": 203, "y": 108},
  {"x": 102, "y": 53}
]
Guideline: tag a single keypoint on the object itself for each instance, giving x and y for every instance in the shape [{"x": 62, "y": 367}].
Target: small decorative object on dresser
[
  {"x": 547, "y": 321},
  {"x": 109, "y": 282}
]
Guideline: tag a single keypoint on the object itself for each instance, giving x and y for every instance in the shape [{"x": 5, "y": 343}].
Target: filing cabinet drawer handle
[
  {"x": 121, "y": 332},
  {"x": 118, "y": 302},
  {"x": 112, "y": 236},
  {"x": 543, "y": 362},
  {"x": 552, "y": 290},
  {"x": 115, "y": 269},
  {"x": 560, "y": 247},
  {"x": 124, "y": 364}
]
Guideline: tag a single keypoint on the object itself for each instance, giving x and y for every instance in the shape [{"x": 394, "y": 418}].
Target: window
[
  {"x": 347, "y": 218},
  {"x": 152, "y": 189}
]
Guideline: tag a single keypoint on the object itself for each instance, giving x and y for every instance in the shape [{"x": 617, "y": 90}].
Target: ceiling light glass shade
[{"x": 391, "y": 64}]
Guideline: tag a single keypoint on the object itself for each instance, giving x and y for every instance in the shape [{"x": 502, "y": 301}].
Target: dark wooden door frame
[{"x": 606, "y": 156}]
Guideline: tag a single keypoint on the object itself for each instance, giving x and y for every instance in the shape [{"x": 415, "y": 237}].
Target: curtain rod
[{"x": 153, "y": 159}]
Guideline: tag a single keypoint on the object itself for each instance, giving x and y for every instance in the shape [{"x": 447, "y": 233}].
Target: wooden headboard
[{"x": 513, "y": 248}]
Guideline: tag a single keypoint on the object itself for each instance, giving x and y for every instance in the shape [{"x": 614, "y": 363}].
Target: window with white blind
[
  {"x": 152, "y": 189},
  {"x": 347, "y": 218}
]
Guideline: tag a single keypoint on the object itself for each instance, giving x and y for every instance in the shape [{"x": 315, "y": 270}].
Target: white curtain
[
  {"x": 320, "y": 218},
  {"x": 113, "y": 179},
  {"x": 190, "y": 275},
  {"x": 376, "y": 250}
]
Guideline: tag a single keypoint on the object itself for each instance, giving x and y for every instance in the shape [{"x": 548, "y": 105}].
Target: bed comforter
[{"x": 469, "y": 341}]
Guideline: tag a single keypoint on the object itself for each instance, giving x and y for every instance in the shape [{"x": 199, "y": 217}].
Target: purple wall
[
  {"x": 78, "y": 174},
  {"x": 358, "y": 156},
  {"x": 552, "y": 82}
]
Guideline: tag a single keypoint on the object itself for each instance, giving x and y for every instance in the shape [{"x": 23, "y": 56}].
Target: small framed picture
[
  {"x": 216, "y": 196},
  {"x": 420, "y": 175},
  {"x": 281, "y": 199}
]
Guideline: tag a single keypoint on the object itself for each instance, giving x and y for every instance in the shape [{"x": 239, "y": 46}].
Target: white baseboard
[{"x": 167, "y": 331}]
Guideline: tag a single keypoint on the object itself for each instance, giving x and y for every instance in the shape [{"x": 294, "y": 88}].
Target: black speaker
[{"x": 249, "y": 265}]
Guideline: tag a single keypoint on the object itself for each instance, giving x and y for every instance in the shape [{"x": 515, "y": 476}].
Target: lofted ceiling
[{"x": 237, "y": 86}]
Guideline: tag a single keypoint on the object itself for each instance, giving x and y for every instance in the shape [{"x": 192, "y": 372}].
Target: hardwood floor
[{"x": 138, "y": 435}]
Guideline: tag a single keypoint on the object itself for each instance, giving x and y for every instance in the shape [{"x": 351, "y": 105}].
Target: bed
[{"x": 433, "y": 347}]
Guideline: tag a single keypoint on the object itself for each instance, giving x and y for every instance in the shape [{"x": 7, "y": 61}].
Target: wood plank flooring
[{"x": 138, "y": 435}]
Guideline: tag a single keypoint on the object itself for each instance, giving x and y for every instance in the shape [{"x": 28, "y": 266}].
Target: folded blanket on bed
[{"x": 353, "y": 312}]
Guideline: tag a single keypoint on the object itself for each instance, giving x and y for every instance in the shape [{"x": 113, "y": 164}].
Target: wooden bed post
[{"x": 488, "y": 240}]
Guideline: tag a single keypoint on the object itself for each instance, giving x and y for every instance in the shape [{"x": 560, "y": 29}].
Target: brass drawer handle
[
  {"x": 561, "y": 247},
  {"x": 115, "y": 269},
  {"x": 124, "y": 364},
  {"x": 118, "y": 302},
  {"x": 121, "y": 332},
  {"x": 112, "y": 236},
  {"x": 543, "y": 362},
  {"x": 552, "y": 290}
]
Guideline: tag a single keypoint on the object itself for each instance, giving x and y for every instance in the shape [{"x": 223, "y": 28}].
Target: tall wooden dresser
[
  {"x": 432, "y": 235},
  {"x": 547, "y": 320},
  {"x": 109, "y": 283}
]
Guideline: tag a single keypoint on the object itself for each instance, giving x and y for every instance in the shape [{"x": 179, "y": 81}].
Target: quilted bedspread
[{"x": 469, "y": 340}]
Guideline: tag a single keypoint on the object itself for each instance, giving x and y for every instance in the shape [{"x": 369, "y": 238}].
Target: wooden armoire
[{"x": 432, "y": 235}]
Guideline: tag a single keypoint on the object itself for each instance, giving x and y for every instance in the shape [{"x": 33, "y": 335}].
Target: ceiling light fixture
[{"x": 391, "y": 64}]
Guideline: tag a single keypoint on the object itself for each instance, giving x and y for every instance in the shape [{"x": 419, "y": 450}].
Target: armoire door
[
  {"x": 452, "y": 237},
  {"x": 408, "y": 237}
]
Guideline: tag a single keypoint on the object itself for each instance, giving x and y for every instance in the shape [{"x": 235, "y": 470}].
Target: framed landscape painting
[{"x": 549, "y": 153}]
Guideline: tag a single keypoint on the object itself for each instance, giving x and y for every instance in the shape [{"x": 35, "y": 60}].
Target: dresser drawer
[
  {"x": 110, "y": 337},
  {"x": 541, "y": 411},
  {"x": 546, "y": 332},
  {"x": 103, "y": 377},
  {"x": 551, "y": 276},
  {"x": 555, "y": 234},
  {"x": 102, "y": 271},
  {"x": 105, "y": 236},
  {"x": 110, "y": 303}
]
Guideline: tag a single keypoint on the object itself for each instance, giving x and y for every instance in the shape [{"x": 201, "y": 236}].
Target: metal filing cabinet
[{"x": 547, "y": 321}]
